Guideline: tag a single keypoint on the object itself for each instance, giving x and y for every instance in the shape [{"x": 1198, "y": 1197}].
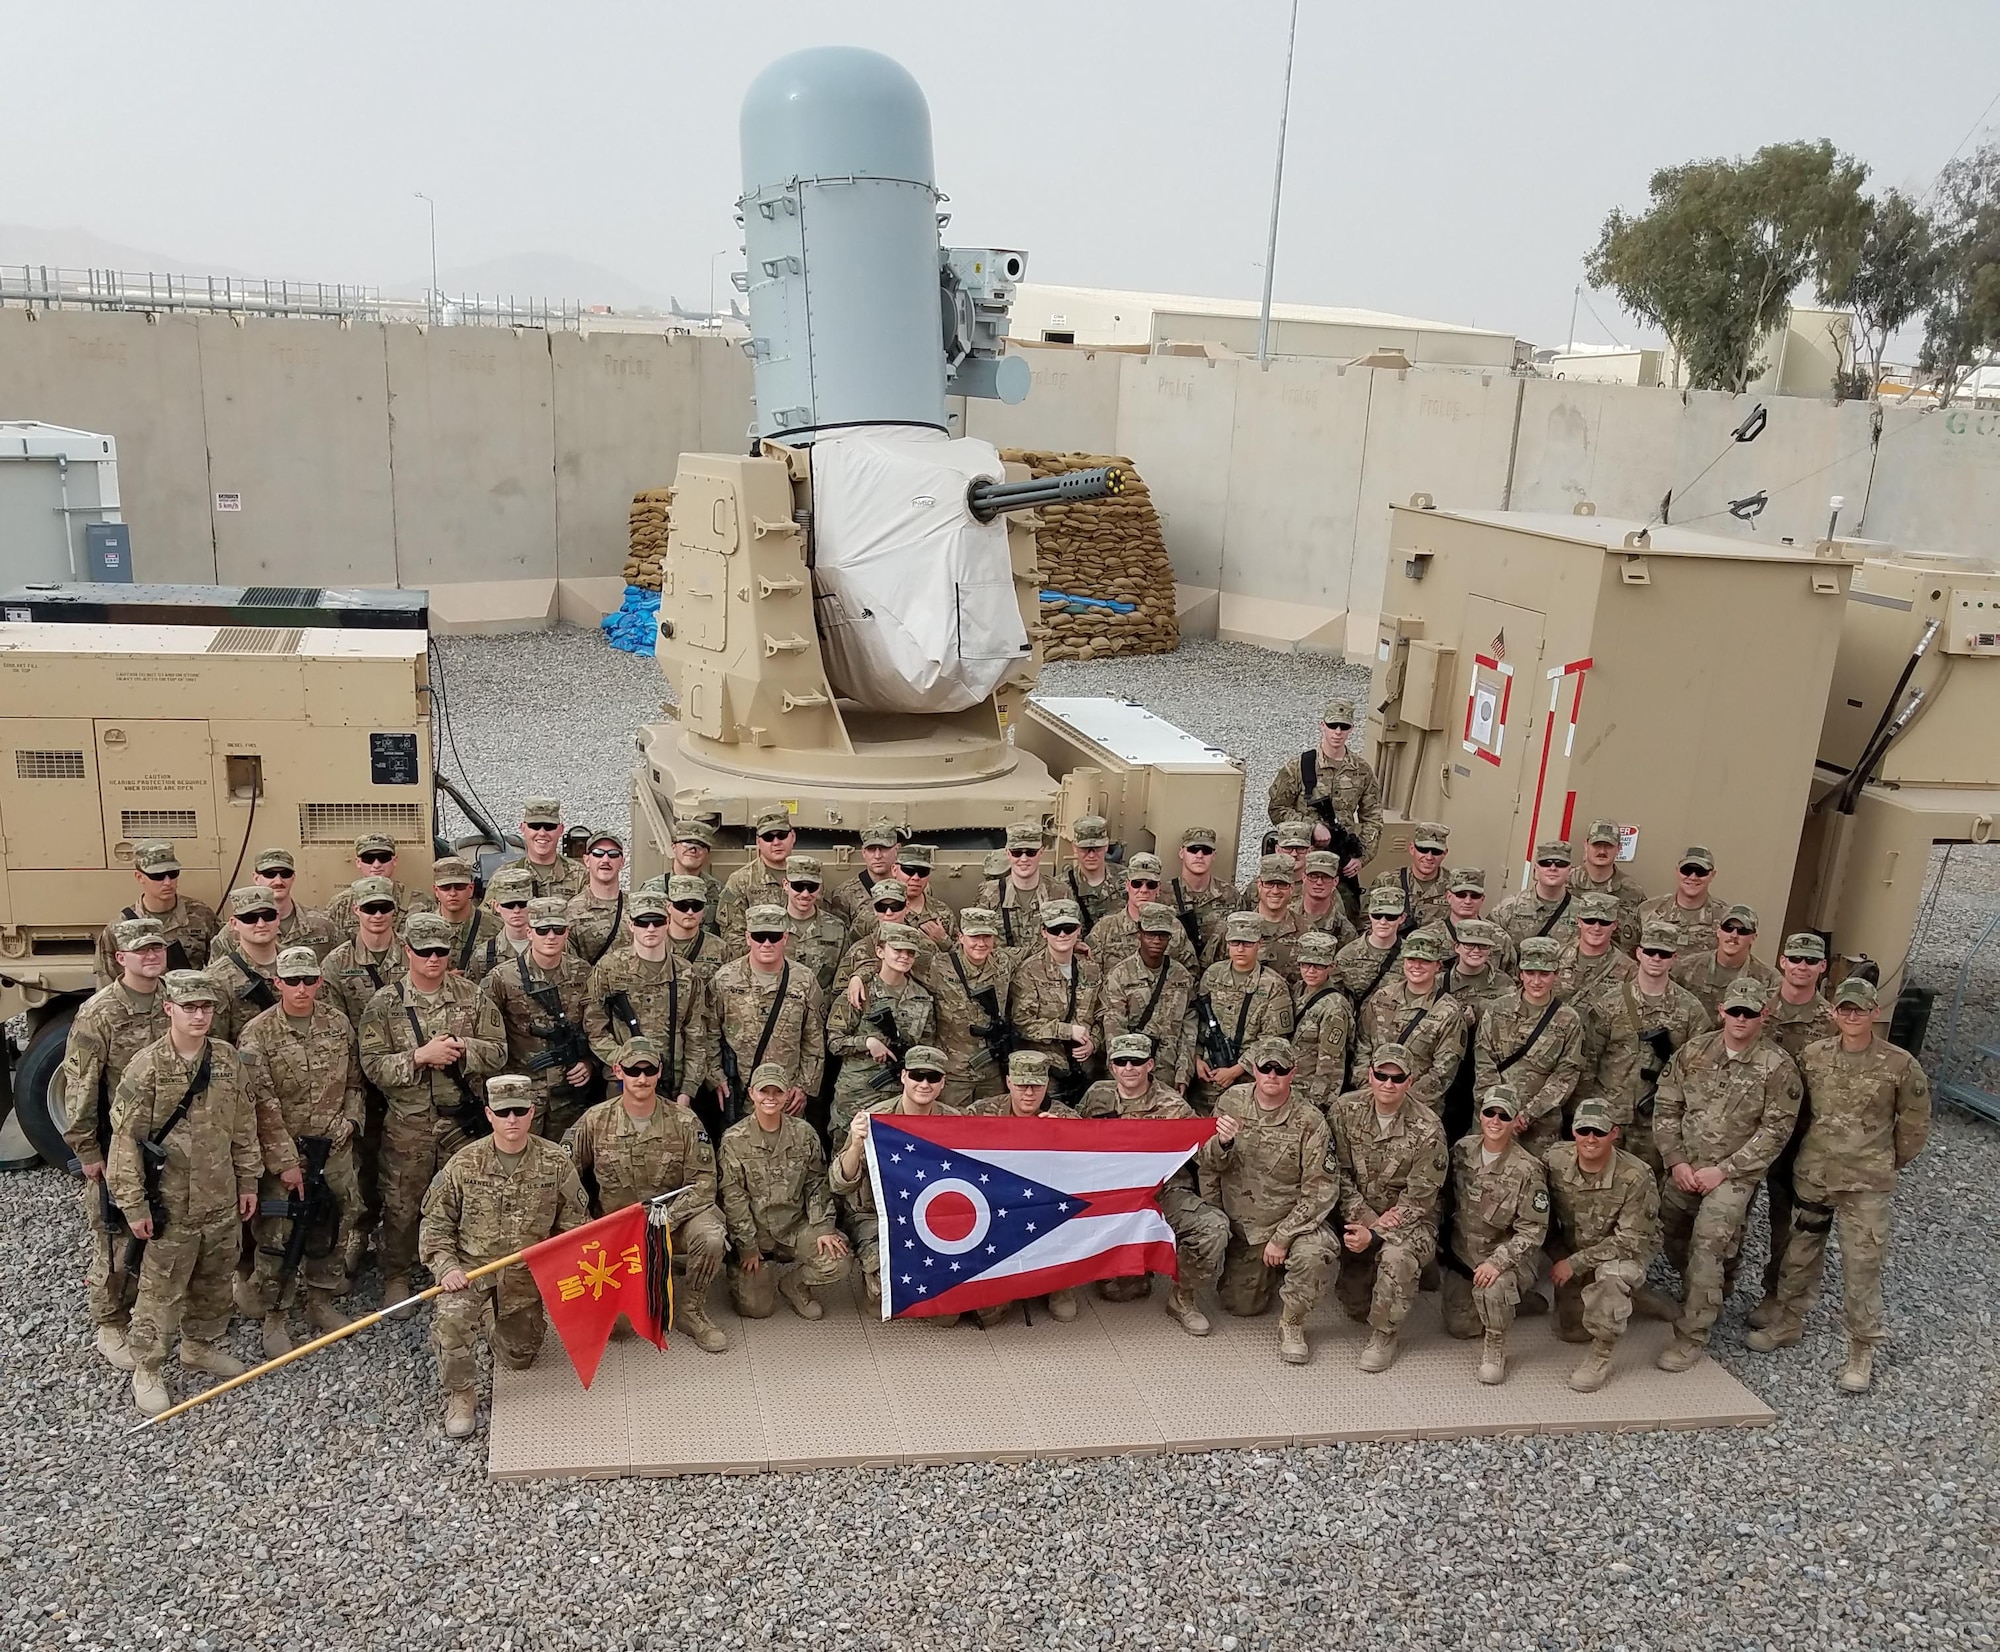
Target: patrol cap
[
  {"x": 1293, "y": 834},
  {"x": 135, "y": 934},
  {"x": 1805, "y": 944},
  {"x": 542, "y": 811},
  {"x": 1744, "y": 994},
  {"x": 593, "y": 839},
  {"x": 374, "y": 843},
  {"x": 1130, "y": 1045},
  {"x": 1385, "y": 900},
  {"x": 448, "y": 870},
  {"x": 888, "y": 889},
  {"x": 1857, "y": 989},
  {"x": 373, "y": 888},
  {"x": 1431, "y": 835},
  {"x": 155, "y": 857},
  {"x": 1156, "y": 919},
  {"x": 510, "y": 1090},
  {"x": 1243, "y": 926},
  {"x": 1602, "y": 831},
  {"x": 879, "y": 834},
  {"x": 1272, "y": 1052},
  {"x": 1540, "y": 952},
  {"x": 646, "y": 903},
  {"x": 1596, "y": 908},
  {"x": 995, "y": 864},
  {"x": 1428, "y": 944},
  {"x": 900, "y": 936},
  {"x": 1196, "y": 836},
  {"x": 1503, "y": 1097},
  {"x": 764, "y": 920},
  {"x": 683, "y": 886},
  {"x": 547, "y": 912},
  {"x": 1277, "y": 869},
  {"x": 1466, "y": 880},
  {"x": 1391, "y": 1055},
  {"x": 1660, "y": 935},
  {"x": 1321, "y": 863},
  {"x": 252, "y": 898},
  {"x": 771, "y": 1076},
  {"x": 775, "y": 819},
  {"x": 1695, "y": 855},
  {"x": 1592, "y": 1113},
  {"x": 1024, "y": 1066},
  {"x": 189, "y": 986},
  {"x": 1061, "y": 912},
  {"x": 979, "y": 920},
  {"x": 926, "y": 1058},
  {"x": 1740, "y": 914},
  {"x": 274, "y": 860},
  {"x": 693, "y": 829},
  {"x": 1145, "y": 866},
  {"x": 639, "y": 1048},
  {"x": 1479, "y": 932},
  {"x": 1024, "y": 834},
  {"x": 510, "y": 881},
  {"x": 1091, "y": 832},
  {"x": 296, "y": 961},
  {"x": 1316, "y": 946},
  {"x": 1554, "y": 849},
  {"x": 804, "y": 869},
  {"x": 428, "y": 929},
  {"x": 919, "y": 857},
  {"x": 1337, "y": 711}
]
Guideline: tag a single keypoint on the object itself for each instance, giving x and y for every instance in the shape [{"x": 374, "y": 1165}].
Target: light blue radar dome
[{"x": 835, "y": 111}]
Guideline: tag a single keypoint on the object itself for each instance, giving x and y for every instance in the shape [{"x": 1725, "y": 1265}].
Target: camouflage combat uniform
[
  {"x": 507, "y": 988},
  {"x": 740, "y": 1001},
  {"x": 1608, "y": 1225},
  {"x": 419, "y": 1129},
  {"x": 493, "y": 949},
  {"x": 671, "y": 1007},
  {"x": 1362, "y": 968},
  {"x": 107, "y": 1033},
  {"x": 485, "y": 1205},
  {"x": 1477, "y": 993},
  {"x": 1432, "y": 1029},
  {"x": 1792, "y": 1027},
  {"x": 1019, "y": 910},
  {"x": 752, "y": 884},
  {"x": 1323, "y": 1039},
  {"x": 1544, "y": 1074},
  {"x": 1124, "y": 1000},
  {"x": 1349, "y": 783},
  {"x": 561, "y": 879},
  {"x": 1714, "y": 1110},
  {"x": 597, "y": 928},
  {"x": 1042, "y": 998},
  {"x": 1500, "y": 1214},
  {"x": 306, "y": 926},
  {"x": 818, "y": 944},
  {"x": 305, "y": 1081},
  {"x": 970, "y": 1068},
  {"x": 911, "y": 1011},
  {"x": 1580, "y": 976},
  {"x": 1424, "y": 901},
  {"x": 353, "y": 975},
  {"x": 342, "y": 923},
  {"x": 632, "y": 1159},
  {"x": 1210, "y": 907},
  {"x": 1398, "y": 1167},
  {"x": 212, "y": 1160},
  {"x": 246, "y": 988},
  {"x": 704, "y": 954},
  {"x": 1275, "y": 1183},
  {"x": 471, "y": 956},
  {"x": 1694, "y": 928},
  {"x": 1248, "y": 1006},
  {"x": 1708, "y": 979},
  {"x": 1115, "y": 937},
  {"x": 1628, "y": 1068},
  {"x": 1525, "y": 913},
  {"x": 777, "y": 1204},
  {"x": 190, "y": 925}
]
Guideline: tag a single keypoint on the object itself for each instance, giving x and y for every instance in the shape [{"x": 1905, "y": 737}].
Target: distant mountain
[
  {"x": 539, "y": 275},
  {"x": 79, "y": 249}
]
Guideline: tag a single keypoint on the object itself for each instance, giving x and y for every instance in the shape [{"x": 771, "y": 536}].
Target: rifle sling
[
  {"x": 451, "y": 1072},
  {"x": 471, "y": 940},
  {"x": 1153, "y": 998},
  {"x": 1305, "y": 1009},
  {"x": 1243, "y": 1018},
  {"x": 1190, "y": 919},
  {"x": 1395, "y": 952},
  {"x": 1412, "y": 1025},
  {"x": 1554, "y": 917},
  {"x": 771, "y": 1019},
  {"x": 1528, "y": 1043},
  {"x": 611, "y": 934},
  {"x": 196, "y": 1086}
]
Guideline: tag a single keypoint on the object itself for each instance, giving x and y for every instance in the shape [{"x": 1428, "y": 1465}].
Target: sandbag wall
[
  {"x": 649, "y": 537},
  {"x": 1109, "y": 551}
]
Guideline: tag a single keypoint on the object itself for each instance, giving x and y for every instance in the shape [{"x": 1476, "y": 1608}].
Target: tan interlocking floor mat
[{"x": 849, "y": 1390}]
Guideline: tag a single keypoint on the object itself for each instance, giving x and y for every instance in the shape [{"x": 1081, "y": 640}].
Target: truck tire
[{"x": 39, "y": 1103}]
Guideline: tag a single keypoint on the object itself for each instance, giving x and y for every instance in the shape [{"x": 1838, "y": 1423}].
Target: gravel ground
[{"x": 324, "y": 1507}]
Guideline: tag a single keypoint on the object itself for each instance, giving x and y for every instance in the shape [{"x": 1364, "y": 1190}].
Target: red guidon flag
[{"x": 619, "y": 1264}]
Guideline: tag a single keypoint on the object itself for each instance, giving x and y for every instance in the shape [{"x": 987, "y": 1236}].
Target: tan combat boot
[
  {"x": 1380, "y": 1353},
  {"x": 1292, "y": 1346},
  {"x": 799, "y": 1294},
  {"x": 1493, "y": 1359},
  {"x": 396, "y": 1288},
  {"x": 321, "y": 1314},
  {"x": 1062, "y": 1306},
  {"x": 277, "y": 1334},
  {"x": 1859, "y": 1371},
  {"x": 708, "y": 1336},
  {"x": 205, "y": 1356},
  {"x": 994, "y": 1314},
  {"x": 1782, "y": 1332},
  {"x": 1595, "y": 1370},
  {"x": 1182, "y": 1305},
  {"x": 461, "y": 1413},
  {"x": 871, "y": 1289},
  {"x": 1680, "y": 1355},
  {"x": 1766, "y": 1314},
  {"x": 111, "y": 1344},
  {"x": 149, "y": 1391}
]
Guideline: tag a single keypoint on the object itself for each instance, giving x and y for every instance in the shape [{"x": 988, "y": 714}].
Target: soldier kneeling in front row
[
  {"x": 777, "y": 1204},
  {"x": 1499, "y": 1221},
  {"x": 1606, "y": 1230}
]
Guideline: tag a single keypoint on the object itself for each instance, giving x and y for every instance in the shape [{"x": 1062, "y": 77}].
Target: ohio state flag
[
  {"x": 619, "y": 1264},
  {"x": 980, "y": 1211}
]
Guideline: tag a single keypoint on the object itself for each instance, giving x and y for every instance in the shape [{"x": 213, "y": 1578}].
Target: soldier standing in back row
[
  {"x": 185, "y": 922},
  {"x": 374, "y": 858},
  {"x": 552, "y": 873},
  {"x": 297, "y": 925},
  {"x": 353, "y": 973},
  {"x": 597, "y": 911},
  {"x": 1115, "y": 936},
  {"x": 242, "y": 964},
  {"x": 1547, "y": 905},
  {"x": 1709, "y": 973},
  {"x": 1600, "y": 874},
  {"x": 761, "y": 880},
  {"x": 113, "y": 1026},
  {"x": 1016, "y": 899},
  {"x": 1095, "y": 891},
  {"x": 541, "y": 997},
  {"x": 185, "y": 1096},
  {"x": 1689, "y": 907},
  {"x": 1422, "y": 881},
  {"x": 819, "y": 937},
  {"x": 852, "y": 896},
  {"x": 1330, "y": 779},
  {"x": 472, "y": 925},
  {"x": 1200, "y": 896}
]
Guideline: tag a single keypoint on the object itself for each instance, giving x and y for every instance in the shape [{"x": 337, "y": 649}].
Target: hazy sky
[{"x": 1450, "y": 160}]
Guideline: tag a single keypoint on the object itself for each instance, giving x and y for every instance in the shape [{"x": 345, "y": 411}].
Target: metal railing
[{"x": 1970, "y": 1061}]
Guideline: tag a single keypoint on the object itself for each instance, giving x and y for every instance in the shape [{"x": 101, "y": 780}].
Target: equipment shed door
[
  {"x": 1502, "y": 651},
  {"x": 49, "y": 810},
  {"x": 156, "y": 778}
]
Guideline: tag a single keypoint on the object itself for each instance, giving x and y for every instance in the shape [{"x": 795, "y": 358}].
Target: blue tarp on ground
[
  {"x": 636, "y": 624},
  {"x": 1077, "y": 605}
]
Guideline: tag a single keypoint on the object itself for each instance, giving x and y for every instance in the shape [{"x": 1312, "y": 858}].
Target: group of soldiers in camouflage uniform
[{"x": 1446, "y": 1098}]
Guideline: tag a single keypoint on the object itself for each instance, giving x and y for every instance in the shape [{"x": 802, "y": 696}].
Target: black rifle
[
  {"x": 1190, "y": 918},
  {"x": 563, "y": 1042},
  {"x": 996, "y": 1032},
  {"x": 732, "y": 1069},
  {"x": 1216, "y": 1047},
  {"x": 618, "y": 1007},
  {"x": 883, "y": 1019},
  {"x": 153, "y": 1148},
  {"x": 177, "y": 953},
  {"x": 316, "y": 1211},
  {"x": 107, "y": 1207},
  {"x": 1661, "y": 1043},
  {"x": 258, "y": 988},
  {"x": 1342, "y": 840}
]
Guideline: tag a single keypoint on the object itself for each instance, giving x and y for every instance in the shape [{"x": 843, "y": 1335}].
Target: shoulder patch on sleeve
[{"x": 1541, "y": 1199}]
